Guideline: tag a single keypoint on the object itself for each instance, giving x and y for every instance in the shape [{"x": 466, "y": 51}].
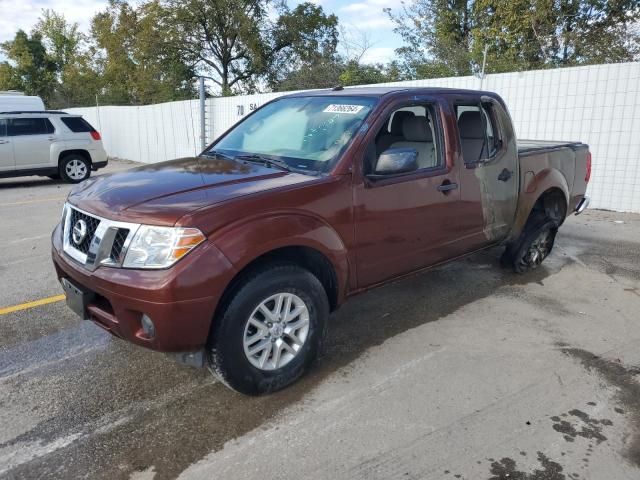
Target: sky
[{"x": 358, "y": 18}]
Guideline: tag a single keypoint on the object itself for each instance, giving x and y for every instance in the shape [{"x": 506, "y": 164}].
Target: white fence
[{"x": 599, "y": 105}]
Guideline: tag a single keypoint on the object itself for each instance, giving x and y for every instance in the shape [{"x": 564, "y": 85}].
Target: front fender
[
  {"x": 532, "y": 188},
  {"x": 247, "y": 239}
]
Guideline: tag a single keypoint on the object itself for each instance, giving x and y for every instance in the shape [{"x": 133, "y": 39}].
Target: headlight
[{"x": 160, "y": 247}]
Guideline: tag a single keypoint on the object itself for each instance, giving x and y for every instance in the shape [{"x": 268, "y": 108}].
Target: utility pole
[
  {"x": 484, "y": 64},
  {"x": 98, "y": 114},
  {"x": 203, "y": 120}
]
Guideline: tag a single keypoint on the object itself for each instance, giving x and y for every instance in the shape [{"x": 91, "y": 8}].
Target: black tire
[
  {"x": 226, "y": 353},
  {"x": 532, "y": 247},
  {"x": 66, "y": 173}
]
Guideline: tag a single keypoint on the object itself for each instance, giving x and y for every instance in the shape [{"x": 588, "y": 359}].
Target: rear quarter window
[
  {"x": 3, "y": 127},
  {"x": 77, "y": 124}
]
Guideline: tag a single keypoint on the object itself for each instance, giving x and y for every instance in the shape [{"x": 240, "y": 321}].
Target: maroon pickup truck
[{"x": 236, "y": 257}]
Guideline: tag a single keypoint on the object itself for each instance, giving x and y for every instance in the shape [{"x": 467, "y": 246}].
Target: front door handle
[
  {"x": 447, "y": 186},
  {"x": 2, "y": 142}
]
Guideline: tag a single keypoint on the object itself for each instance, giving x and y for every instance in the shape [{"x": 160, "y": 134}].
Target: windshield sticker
[{"x": 339, "y": 108}]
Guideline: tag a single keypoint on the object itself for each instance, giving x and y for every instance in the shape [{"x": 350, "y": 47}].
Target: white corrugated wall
[{"x": 598, "y": 104}]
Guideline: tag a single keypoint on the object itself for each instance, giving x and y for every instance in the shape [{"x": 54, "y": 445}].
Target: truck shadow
[{"x": 146, "y": 411}]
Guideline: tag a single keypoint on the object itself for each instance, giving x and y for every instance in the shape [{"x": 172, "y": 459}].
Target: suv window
[
  {"x": 30, "y": 126},
  {"x": 77, "y": 124},
  {"x": 3, "y": 127}
]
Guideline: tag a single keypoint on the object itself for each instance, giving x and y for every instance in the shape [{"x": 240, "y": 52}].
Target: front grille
[
  {"x": 104, "y": 243},
  {"x": 118, "y": 243},
  {"x": 92, "y": 225}
]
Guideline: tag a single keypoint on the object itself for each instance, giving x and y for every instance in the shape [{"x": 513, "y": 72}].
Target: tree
[
  {"x": 136, "y": 55},
  {"x": 29, "y": 68},
  {"x": 532, "y": 34},
  {"x": 238, "y": 45},
  {"x": 76, "y": 80},
  {"x": 437, "y": 34},
  {"x": 303, "y": 43},
  {"x": 448, "y": 37},
  {"x": 356, "y": 73}
]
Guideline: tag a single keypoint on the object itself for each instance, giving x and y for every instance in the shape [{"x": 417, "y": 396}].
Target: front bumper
[{"x": 181, "y": 300}]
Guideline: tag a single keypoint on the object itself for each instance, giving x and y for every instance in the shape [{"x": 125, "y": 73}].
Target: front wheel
[
  {"x": 533, "y": 246},
  {"x": 270, "y": 331},
  {"x": 75, "y": 168}
]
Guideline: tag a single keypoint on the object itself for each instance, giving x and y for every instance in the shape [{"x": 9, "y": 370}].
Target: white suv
[{"x": 48, "y": 143}]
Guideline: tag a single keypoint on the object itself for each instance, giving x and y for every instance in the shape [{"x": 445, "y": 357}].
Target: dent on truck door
[{"x": 490, "y": 179}]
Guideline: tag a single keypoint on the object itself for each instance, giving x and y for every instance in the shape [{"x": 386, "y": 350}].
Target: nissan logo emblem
[{"x": 79, "y": 232}]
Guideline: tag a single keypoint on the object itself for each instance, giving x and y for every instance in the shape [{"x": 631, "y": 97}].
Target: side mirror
[{"x": 396, "y": 160}]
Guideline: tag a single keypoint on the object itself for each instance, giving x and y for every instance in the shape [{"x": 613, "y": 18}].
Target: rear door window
[
  {"x": 77, "y": 124},
  {"x": 479, "y": 134},
  {"x": 30, "y": 126}
]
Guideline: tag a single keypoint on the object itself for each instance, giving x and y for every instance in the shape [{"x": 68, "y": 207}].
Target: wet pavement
[{"x": 466, "y": 371}]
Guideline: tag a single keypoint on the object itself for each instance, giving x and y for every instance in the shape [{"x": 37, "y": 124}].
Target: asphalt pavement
[{"x": 463, "y": 372}]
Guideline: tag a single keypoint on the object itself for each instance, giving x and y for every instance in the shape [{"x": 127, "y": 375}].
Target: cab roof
[{"x": 382, "y": 91}]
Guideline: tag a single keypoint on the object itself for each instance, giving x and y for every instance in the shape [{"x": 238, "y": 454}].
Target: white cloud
[
  {"x": 23, "y": 14},
  {"x": 378, "y": 55}
]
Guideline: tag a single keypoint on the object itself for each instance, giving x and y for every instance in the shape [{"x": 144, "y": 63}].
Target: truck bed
[{"x": 527, "y": 147}]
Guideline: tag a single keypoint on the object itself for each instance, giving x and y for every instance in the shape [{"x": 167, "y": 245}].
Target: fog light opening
[{"x": 148, "y": 327}]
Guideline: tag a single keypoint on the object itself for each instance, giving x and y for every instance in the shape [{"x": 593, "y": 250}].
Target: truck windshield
[{"x": 307, "y": 133}]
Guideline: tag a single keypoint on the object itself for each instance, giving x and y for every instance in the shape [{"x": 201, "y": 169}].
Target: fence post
[{"x": 203, "y": 120}]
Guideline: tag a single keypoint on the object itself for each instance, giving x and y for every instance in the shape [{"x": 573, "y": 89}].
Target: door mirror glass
[{"x": 397, "y": 160}]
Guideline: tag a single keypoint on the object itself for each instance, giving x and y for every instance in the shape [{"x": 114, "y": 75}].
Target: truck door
[
  {"x": 406, "y": 220},
  {"x": 6, "y": 149},
  {"x": 490, "y": 177}
]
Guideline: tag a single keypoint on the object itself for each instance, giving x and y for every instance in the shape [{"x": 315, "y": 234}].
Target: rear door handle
[
  {"x": 51, "y": 139},
  {"x": 447, "y": 186},
  {"x": 505, "y": 175},
  {"x": 2, "y": 142}
]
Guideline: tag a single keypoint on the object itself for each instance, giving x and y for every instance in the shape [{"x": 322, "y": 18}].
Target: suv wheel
[
  {"x": 270, "y": 331},
  {"x": 533, "y": 246},
  {"x": 75, "y": 168}
]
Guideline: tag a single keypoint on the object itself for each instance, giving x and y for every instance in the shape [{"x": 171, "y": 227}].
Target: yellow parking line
[
  {"x": 35, "y": 303},
  {"x": 27, "y": 202}
]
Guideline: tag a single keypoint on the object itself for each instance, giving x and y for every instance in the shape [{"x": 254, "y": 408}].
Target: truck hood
[{"x": 161, "y": 193}]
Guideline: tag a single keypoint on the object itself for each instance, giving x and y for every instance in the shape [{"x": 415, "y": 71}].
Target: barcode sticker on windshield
[{"x": 338, "y": 108}]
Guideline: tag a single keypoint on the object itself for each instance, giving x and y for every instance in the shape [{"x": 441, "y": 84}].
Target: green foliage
[
  {"x": 359, "y": 74},
  {"x": 136, "y": 56},
  {"x": 29, "y": 68},
  {"x": 239, "y": 46},
  {"x": 448, "y": 37},
  {"x": 151, "y": 51},
  {"x": 303, "y": 49}
]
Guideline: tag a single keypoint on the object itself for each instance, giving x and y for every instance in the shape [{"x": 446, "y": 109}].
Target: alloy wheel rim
[
  {"x": 276, "y": 331},
  {"x": 539, "y": 249},
  {"x": 76, "y": 169}
]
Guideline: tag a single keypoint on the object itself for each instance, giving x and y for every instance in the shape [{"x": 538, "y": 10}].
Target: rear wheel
[
  {"x": 270, "y": 331},
  {"x": 533, "y": 246},
  {"x": 74, "y": 168}
]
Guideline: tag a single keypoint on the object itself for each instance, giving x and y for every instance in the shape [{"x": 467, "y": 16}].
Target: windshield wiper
[
  {"x": 269, "y": 162},
  {"x": 215, "y": 153}
]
